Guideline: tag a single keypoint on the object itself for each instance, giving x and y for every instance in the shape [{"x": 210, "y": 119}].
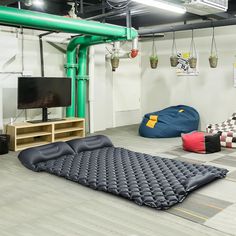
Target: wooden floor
[{"x": 39, "y": 204}]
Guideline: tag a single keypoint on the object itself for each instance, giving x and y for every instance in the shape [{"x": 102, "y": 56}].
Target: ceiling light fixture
[
  {"x": 163, "y": 5},
  {"x": 28, "y": 3},
  {"x": 38, "y": 3}
]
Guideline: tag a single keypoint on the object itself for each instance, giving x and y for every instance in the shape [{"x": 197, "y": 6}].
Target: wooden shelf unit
[{"x": 25, "y": 135}]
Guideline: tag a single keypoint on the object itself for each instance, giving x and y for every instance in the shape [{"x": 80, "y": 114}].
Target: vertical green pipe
[
  {"x": 82, "y": 81},
  {"x": 84, "y": 42},
  {"x": 71, "y": 73}
]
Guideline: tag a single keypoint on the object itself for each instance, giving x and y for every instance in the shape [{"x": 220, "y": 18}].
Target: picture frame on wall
[{"x": 184, "y": 66}]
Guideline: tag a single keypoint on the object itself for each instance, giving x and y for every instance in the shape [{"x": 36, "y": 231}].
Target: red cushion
[{"x": 194, "y": 142}]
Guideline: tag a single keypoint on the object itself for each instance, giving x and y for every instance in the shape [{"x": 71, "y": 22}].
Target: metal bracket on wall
[
  {"x": 67, "y": 66},
  {"x": 60, "y": 49},
  {"x": 83, "y": 77}
]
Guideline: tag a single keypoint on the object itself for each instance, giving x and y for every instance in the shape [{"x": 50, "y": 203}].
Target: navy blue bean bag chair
[{"x": 169, "y": 122}]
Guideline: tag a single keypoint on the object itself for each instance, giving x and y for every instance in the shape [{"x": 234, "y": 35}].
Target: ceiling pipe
[
  {"x": 99, "y": 33},
  {"x": 200, "y": 25},
  {"x": 43, "y": 21},
  {"x": 114, "y": 13}
]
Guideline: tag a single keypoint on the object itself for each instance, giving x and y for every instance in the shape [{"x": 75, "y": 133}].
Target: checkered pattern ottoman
[{"x": 227, "y": 129}]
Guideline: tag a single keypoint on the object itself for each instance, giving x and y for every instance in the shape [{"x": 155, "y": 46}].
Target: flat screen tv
[{"x": 43, "y": 92}]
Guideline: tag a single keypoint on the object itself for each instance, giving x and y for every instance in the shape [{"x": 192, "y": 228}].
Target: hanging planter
[
  {"x": 213, "y": 59},
  {"x": 115, "y": 61},
  {"x": 153, "y": 58},
  {"x": 192, "y": 54},
  {"x": 174, "y": 57}
]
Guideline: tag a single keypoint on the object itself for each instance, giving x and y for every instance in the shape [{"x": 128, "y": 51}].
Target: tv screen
[{"x": 43, "y": 92}]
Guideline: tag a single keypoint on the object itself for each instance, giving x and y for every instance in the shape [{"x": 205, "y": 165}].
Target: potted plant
[
  {"x": 153, "y": 58},
  {"x": 115, "y": 61},
  {"x": 154, "y": 61},
  {"x": 213, "y": 59},
  {"x": 174, "y": 60},
  {"x": 192, "y": 54}
]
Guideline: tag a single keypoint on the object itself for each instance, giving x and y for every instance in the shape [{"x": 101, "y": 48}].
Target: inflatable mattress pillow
[{"x": 200, "y": 142}]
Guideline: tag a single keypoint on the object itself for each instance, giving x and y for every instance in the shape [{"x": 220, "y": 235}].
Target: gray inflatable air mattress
[{"x": 147, "y": 180}]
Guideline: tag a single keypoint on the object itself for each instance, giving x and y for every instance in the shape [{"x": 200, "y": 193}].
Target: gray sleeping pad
[{"x": 147, "y": 180}]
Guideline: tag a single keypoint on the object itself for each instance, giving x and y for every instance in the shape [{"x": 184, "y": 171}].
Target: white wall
[
  {"x": 100, "y": 87},
  {"x": 127, "y": 90},
  {"x": 116, "y": 95},
  {"x": 54, "y": 62},
  {"x": 211, "y": 93}
]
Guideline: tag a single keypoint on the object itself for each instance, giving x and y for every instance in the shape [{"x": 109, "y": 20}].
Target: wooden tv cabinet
[{"x": 25, "y": 135}]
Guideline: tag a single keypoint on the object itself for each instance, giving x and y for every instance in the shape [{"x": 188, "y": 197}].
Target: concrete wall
[{"x": 211, "y": 93}]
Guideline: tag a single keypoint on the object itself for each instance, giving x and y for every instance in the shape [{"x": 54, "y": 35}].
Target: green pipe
[
  {"x": 71, "y": 70},
  {"x": 71, "y": 66},
  {"x": 82, "y": 81},
  {"x": 50, "y": 22},
  {"x": 71, "y": 73},
  {"x": 43, "y": 21}
]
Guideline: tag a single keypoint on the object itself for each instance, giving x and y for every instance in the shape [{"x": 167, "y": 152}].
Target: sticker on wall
[{"x": 186, "y": 65}]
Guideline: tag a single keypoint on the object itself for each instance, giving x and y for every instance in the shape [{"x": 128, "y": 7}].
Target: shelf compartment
[
  {"x": 30, "y": 144},
  {"x": 33, "y": 141},
  {"x": 70, "y": 124},
  {"x": 32, "y": 134},
  {"x": 65, "y": 136},
  {"x": 28, "y": 130},
  {"x": 64, "y": 130}
]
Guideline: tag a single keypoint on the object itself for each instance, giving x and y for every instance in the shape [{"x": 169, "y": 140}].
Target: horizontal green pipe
[{"x": 43, "y": 21}]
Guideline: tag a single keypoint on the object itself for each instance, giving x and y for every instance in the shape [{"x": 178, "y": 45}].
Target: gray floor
[{"x": 35, "y": 204}]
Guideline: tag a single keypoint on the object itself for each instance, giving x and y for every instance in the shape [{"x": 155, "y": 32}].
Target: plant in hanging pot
[
  {"x": 192, "y": 62},
  {"x": 153, "y": 58},
  {"x": 213, "y": 59},
  {"x": 115, "y": 61},
  {"x": 153, "y": 61},
  {"x": 174, "y": 60},
  {"x": 193, "y": 54}
]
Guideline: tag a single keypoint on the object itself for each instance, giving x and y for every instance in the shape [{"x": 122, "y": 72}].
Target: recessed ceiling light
[
  {"x": 38, "y": 3},
  {"x": 163, "y": 5}
]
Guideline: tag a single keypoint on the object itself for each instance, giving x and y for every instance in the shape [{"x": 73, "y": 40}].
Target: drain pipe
[{"x": 201, "y": 25}]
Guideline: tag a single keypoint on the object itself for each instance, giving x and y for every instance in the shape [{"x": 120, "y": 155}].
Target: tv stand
[
  {"x": 48, "y": 120},
  {"x": 26, "y": 135}
]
